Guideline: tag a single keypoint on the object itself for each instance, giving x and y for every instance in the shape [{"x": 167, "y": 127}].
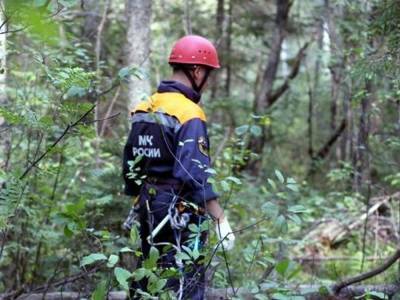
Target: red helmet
[{"x": 194, "y": 50}]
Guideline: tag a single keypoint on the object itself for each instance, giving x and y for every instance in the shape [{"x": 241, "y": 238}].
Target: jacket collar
[{"x": 177, "y": 87}]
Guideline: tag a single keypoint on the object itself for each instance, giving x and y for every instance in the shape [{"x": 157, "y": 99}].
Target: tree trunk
[
  {"x": 314, "y": 87},
  {"x": 216, "y": 77},
  {"x": 5, "y": 143},
  {"x": 228, "y": 51},
  {"x": 92, "y": 20},
  {"x": 263, "y": 97},
  {"x": 187, "y": 20},
  {"x": 281, "y": 22},
  {"x": 221, "y": 80},
  {"x": 137, "y": 48},
  {"x": 335, "y": 66},
  {"x": 93, "y": 31},
  {"x": 361, "y": 163}
]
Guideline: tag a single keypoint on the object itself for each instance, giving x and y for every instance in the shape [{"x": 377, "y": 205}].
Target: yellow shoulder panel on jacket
[{"x": 174, "y": 104}]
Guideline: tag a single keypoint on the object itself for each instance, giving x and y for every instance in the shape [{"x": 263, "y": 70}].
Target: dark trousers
[{"x": 154, "y": 204}]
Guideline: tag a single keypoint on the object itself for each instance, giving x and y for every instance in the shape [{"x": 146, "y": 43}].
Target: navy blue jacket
[{"x": 168, "y": 140}]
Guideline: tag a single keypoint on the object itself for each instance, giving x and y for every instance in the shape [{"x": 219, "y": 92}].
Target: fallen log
[
  {"x": 331, "y": 232},
  {"x": 310, "y": 292}
]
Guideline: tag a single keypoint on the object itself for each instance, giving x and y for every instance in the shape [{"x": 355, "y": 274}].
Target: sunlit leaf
[
  {"x": 122, "y": 277},
  {"x": 94, "y": 257}
]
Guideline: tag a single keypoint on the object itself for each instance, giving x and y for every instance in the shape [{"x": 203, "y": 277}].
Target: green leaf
[
  {"x": 151, "y": 262},
  {"x": 76, "y": 91},
  {"x": 261, "y": 297},
  {"x": 280, "y": 296},
  {"x": 124, "y": 73},
  {"x": 293, "y": 187},
  {"x": 234, "y": 179},
  {"x": 291, "y": 180},
  {"x": 272, "y": 184},
  {"x": 256, "y": 130},
  {"x": 134, "y": 235},
  {"x": 280, "y": 224},
  {"x": 68, "y": 3},
  {"x": 100, "y": 291},
  {"x": 122, "y": 277},
  {"x": 94, "y": 257},
  {"x": 210, "y": 171},
  {"x": 169, "y": 273},
  {"x": 194, "y": 228},
  {"x": 140, "y": 273},
  {"x": 112, "y": 260},
  {"x": 282, "y": 267},
  {"x": 182, "y": 256},
  {"x": 126, "y": 249},
  {"x": 297, "y": 209},
  {"x": 241, "y": 129},
  {"x": 225, "y": 186},
  {"x": 270, "y": 209},
  {"x": 39, "y": 3},
  {"x": 279, "y": 176},
  {"x": 157, "y": 285},
  {"x": 294, "y": 270},
  {"x": 295, "y": 218}
]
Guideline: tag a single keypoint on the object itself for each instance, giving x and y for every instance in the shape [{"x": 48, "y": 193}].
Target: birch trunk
[
  {"x": 137, "y": 48},
  {"x": 4, "y": 135}
]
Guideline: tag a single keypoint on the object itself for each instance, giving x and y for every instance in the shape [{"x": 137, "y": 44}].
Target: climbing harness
[{"x": 179, "y": 212}]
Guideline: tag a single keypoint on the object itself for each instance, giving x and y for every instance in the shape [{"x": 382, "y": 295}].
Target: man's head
[{"x": 192, "y": 59}]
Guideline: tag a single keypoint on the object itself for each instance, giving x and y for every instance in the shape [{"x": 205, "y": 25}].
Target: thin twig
[
  {"x": 109, "y": 110},
  {"x": 102, "y": 119},
  {"x": 66, "y": 131}
]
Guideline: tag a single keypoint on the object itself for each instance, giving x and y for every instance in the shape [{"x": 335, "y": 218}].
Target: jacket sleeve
[
  {"x": 131, "y": 187},
  {"x": 192, "y": 160}
]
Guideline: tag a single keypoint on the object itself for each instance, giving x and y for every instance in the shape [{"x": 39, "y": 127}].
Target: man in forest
[{"x": 166, "y": 159}]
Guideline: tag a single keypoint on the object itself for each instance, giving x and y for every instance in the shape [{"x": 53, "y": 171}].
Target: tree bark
[
  {"x": 281, "y": 23},
  {"x": 5, "y": 139},
  {"x": 263, "y": 97},
  {"x": 361, "y": 157},
  {"x": 228, "y": 51},
  {"x": 137, "y": 48},
  {"x": 267, "y": 95},
  {"x": 92, "y": 20},
  {"x": 336, "y": 67},
  {"x": 187, "y": 20},
  {"x": 314, "y": 87},
  {"x": 216, "y": 77}
]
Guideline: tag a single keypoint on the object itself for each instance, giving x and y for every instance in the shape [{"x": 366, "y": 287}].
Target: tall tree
[
  {"x": 137, "y": 48},
  {"x": 4, "y": 136},
  {"x": 93, "y": 28},
  {"x": 267, "y": 95}
]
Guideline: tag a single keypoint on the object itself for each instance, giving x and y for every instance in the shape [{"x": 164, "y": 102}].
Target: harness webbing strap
[{"x": 196, "y": 87}]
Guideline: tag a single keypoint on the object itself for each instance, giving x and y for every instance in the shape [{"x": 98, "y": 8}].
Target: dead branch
[
  {"x": 388, "y": 263},
  {"x": 109, "y": 111},
  {"x": 323, "y": 152},
  {"x": 23, "y": 292},
  {"x": 295, "y": 70}
]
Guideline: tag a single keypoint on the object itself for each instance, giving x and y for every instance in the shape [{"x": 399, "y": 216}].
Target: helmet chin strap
[{"x": 189, "y": 76}]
